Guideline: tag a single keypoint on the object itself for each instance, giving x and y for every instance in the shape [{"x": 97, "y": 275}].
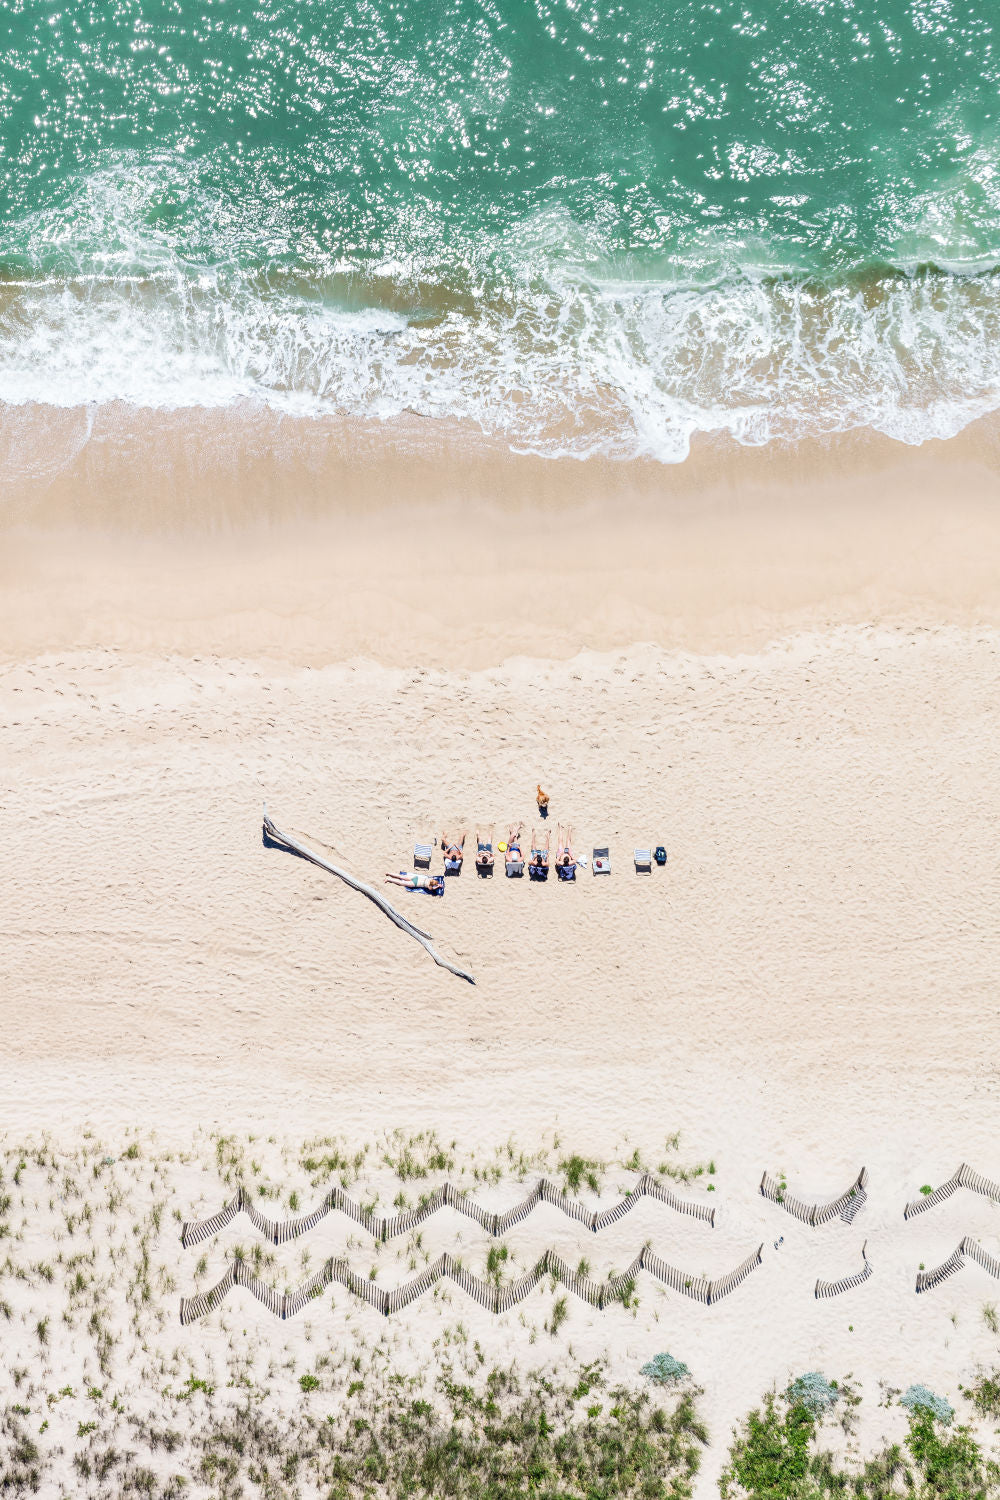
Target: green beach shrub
[
  {"x": 499, "y": 1437},
  {"x": 663, "y": 1369},
  {"x": 578, "y": 1170},
  {"x": 769, "y": 1458},
  {"x": 985, "y": 1395},
  {"x": 919, "y": 1398},
  {"x": 775, "y": 1455},
  {"x": 951, "y": 1466},
  {"x": 813, "y": 1391}
]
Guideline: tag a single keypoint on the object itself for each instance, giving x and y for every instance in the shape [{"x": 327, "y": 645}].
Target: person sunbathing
[
  {"x": 565, "y": 859},
  {"x": 514, "y": 858},
  {"x": 484, "y": 852},
  {"x": 538, "y": 865},
  {"x": 454, "y": 853},
  {"x": 432, "y": 885}
]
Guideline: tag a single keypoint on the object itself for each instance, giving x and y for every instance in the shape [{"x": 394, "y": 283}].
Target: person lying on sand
[
  {"x": 538, "y": 865},
  {"x": 514, "y": 858},
  {"x": 453, "y": 852},
  {"x": 565, "y": 859},
  {"x": 433, "y": 885},
  {"x": 484, "y": 852}
]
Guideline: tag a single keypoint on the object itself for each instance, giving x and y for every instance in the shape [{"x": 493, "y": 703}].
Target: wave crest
[{"x": 537, "y": 337}]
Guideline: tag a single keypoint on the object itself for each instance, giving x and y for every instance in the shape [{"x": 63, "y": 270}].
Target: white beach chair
[
  {"x": 602, "y": 862},
  {"x": 422, "y": 855},
  {"x": 643, "y": 862}
]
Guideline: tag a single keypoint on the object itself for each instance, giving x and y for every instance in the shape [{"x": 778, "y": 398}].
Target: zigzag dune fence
[
  {"x": 846, "y": 1283},
  {"x": 845, "y": 1207},
  {"x": 964, "y": 1177},
  {"x": 386, "y": 1227},
  {"x": 968, "y": 1248},
  {"x": 496, "y": 1299}
]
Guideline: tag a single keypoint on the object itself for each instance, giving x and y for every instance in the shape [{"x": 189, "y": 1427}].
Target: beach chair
[
  {"x": 643, "y": 862},
  {"x": 538, "y": 872},
  {"x": 602, "y": 862},
  {"x": 515, "y": 869},
  {"x": 422, "y": 855}
]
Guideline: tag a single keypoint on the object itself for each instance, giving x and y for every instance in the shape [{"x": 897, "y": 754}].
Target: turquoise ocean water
[{"x": 582, "y": 227}]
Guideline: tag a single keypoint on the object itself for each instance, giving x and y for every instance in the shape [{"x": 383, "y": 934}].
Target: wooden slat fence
[
  {"x": 974, "y": 1250},
  {"x": 494, "y": 1298},
  {"x": 928, "y": 1280},
  {"x": 846, "y": 1283},
  {"x": 386, "y": 1227},
  {"x": 967, "y": 1247},
  {"x": 845, "y": 1207},
  {"x": 964, "y": 1177}
]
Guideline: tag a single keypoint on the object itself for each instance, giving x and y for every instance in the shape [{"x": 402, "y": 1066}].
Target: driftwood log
[{"x": 284, "y": 840}]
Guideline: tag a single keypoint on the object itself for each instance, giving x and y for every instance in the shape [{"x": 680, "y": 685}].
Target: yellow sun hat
[{"x": 502, "y": 847}]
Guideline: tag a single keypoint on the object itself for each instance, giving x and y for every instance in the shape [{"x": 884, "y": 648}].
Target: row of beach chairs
[{"x": 644, "y": 859}]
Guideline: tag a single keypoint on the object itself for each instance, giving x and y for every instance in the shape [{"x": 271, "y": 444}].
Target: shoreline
[{"x": 309, "y": 544}]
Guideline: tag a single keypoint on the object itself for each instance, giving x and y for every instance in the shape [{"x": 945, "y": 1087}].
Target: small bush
[
  {"x": 577, "y": 1170},
  {"x": 560, "y": 1312},
  {"x": 496, "y": 1257},
  {"x": 191, "y": 1385},
  {"x": 308, "y": 1383},
  {"x": 952, "y": 1464},
  {"x": 919, "y": 1398},
  {"x": 813, "y": 1391},
  {"x": 985, "y": 1395},
  {"x": 770, "y": 1456},
  {"x": 663, "y": 1369}
]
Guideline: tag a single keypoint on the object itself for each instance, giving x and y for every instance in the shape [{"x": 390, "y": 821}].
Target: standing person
[
  {"x": 542, "y": 798},
  {"x": 454, "y": 853},
  {"x": 538, "y": 864},
  {"x": 484, "y": 851},
  {"x": 565, "y": 858}
]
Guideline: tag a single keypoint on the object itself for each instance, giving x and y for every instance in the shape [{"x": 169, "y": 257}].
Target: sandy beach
[
  {"x": 413, "y": 416},
  {"x": 241, "y": 534},
  {"x": 783, "y": 668}
]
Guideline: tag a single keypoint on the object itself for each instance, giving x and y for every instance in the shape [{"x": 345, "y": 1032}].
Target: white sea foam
[
  {"x": 570, "y": 366},
  {"x": 541, "y": 338}
]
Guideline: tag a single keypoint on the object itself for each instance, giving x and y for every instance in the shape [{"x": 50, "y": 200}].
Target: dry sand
[{"x": 792, "y": 686}]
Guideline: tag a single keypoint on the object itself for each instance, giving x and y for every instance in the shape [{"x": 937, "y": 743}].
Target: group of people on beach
[{"x": 537, "y": 864}]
